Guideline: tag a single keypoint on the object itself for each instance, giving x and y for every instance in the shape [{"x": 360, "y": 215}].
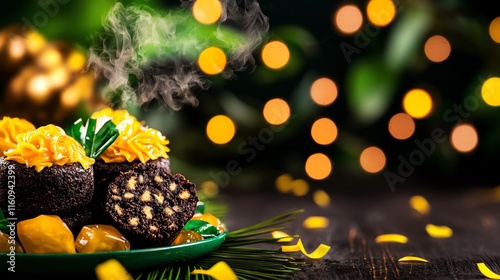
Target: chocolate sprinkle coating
[
  {"x": 150, "y": 206},
  {"x": 55, "y": 189}
]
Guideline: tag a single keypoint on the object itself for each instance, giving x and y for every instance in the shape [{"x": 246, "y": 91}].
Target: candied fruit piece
[
  {"x": 8, "y": 244},
  {"x": 187, "y": 236},
  {"x": 45, "y": 234},
  {"x": 100, "y": 238},
  {"x": 112, "y": 270},
  {"x": 207, "y": 217}
]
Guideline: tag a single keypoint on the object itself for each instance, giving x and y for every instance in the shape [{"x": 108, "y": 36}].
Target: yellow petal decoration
[
  {"x": 219, "y": 271},
  {"x": 391, "y": 237},
  {"x": 283, "y": 237},
  {"x": 420, "y": 204},
  {"x": 487, "y": 272},
  {"x": 111, "y": 270},
  {"x": 317, "y": 254},
  {"x": 412, "y": 259},
  {"x": 438, "y": 231},
  {"x": 316, "y": 222}
]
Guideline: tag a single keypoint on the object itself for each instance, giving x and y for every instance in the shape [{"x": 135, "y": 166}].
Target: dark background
[{"x": 307, "y": 29}]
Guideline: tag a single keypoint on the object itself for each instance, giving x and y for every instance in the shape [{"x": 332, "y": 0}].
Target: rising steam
[{"x": 145, "y": 55}]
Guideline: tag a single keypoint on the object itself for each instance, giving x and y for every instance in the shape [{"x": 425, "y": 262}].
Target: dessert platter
[{"x": 101, "y": 190}]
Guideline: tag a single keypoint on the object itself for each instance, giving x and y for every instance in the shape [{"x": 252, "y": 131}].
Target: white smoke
[{"x": 145, "y": 55}]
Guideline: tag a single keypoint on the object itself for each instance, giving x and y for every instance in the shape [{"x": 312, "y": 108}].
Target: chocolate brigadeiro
[
  {"x": 136, "y": 145},
  {"x": 150, "y": 206}
]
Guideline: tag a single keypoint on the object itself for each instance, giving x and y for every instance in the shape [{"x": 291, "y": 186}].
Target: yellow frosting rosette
[
  {"x": 136, "y": 140},
  {"x": 45, "y": 146},
  {"x": 9, "y": 129}
]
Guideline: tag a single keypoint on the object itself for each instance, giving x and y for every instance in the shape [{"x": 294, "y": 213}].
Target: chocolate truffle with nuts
[
  {"x": 150, "y": 206},
  {"x": 137, "y": 144}
]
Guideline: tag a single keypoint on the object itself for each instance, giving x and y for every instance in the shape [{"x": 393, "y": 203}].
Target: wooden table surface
[{"x": 356, "y": 219}]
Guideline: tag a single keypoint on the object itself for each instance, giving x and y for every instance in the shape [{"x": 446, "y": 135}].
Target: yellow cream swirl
[
  {"x": 9, "y": 129},
  {"x": 48, "y": 145},
  {"x": 135, "y": 142}
]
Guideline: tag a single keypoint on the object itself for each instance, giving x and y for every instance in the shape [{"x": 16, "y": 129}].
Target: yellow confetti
[
  {"x": 316, "y": 222},
  {"x": 111, "y": 270},
  {"x": 487, "y": 272},
  {"x": 391, "y": 237},
  {"x": 420, "y": 204},
  {"x": 283, "y": 237},
  {"x": 412, "y": 259},
  {"x": 316, "y": 254},
  {"x": 218, "y": 271},
  {"x": 438, "y": 231}
]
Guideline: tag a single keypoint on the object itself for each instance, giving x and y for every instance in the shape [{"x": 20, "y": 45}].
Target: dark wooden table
[{"x": 356, "y": 218}]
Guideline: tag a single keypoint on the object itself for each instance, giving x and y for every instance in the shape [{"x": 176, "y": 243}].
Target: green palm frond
[{"x": 250, "y": 252}]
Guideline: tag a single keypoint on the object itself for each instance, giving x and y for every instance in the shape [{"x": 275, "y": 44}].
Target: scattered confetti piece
[
  {"x": 283, "y": 237},
  {"x": 218, "y": 271},
  {"x": 438, "y": 231},
  {"x": 321, "y": 198},
  {"x": 111, "y": 270},
  {"x": 420, "y": 204},
  {"x": 316, "y": 222},
  {"x": 391, "y": 237},
  {"x": 317, "y": 254},
  {"x": 487, "y": 272},
  {"x": 412, "y": 259}
]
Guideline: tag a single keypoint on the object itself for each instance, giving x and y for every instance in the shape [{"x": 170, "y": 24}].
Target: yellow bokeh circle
[
  {"x": 220, "y": 129},
  {"x": 417, "y": 103}
]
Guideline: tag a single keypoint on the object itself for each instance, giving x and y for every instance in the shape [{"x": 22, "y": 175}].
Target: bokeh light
[
  {"x": 17, "y": 47},
  {"x": 76, "y": 61},
  {"x": 380, "y": 12},
  {"x": 401, "y": 126},
  {"x": 318, "y": 166},
  {"x": 464, "y": 138},
  {"x": 372, "y": 159},
  {"x": 284, "y": 183},
  {"x": 220, "y": 129},
  {"x": 35, "y": 42},
  {"x": 300, "y": 187},
  {"x": 490, "y": 91},
  {"x": 49, "y": 58},
  {"x": 417, "y": 103},
  {"x": 209, "y": 188},
  {"x": 38, "y": 88},
  {"x": 348, "y": 19},
  {"x": 275, "y": 54},
  {"x": 321, "y": 198},
  {"x": 212, "y": 60},
  {"x": 276, "y": 111},
  {"x": 437, "y": 48},
  {"x": 58, "y": 77},
  {"x": 494, "y": 29},
  {"x": 207, "y": 11},
  {"x": 324, "y": 91},
  {"x": 324, "y": 131}
]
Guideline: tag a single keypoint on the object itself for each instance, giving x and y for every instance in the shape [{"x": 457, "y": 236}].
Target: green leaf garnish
[
  {"x": 204, "y": 228},
  {"x": 3, "y": 223},
  {"x": 94, "y": 137},
  {"x": 200, "y": 207}
]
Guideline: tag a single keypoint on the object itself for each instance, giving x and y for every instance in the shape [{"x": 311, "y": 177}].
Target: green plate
[{"x": 132, "y": 260}]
